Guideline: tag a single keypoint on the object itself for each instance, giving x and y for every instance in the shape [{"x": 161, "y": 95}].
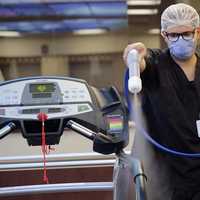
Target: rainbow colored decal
[{"x": 115, "y": 123}]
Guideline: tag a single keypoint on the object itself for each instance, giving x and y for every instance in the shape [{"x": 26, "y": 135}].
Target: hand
[{"x": 140, "y": 47}]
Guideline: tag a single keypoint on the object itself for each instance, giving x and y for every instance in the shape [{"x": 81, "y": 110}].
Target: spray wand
[{"x": 134, "y": 82}]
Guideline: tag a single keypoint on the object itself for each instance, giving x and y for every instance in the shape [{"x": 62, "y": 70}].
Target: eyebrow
[{"x": 192, "y": 31}]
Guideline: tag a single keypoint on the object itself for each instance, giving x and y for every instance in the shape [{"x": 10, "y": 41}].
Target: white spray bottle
[{"x": 134, "y": 82}]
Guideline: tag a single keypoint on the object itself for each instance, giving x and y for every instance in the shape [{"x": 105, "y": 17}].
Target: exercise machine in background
[{"x": 42, "y": 107}]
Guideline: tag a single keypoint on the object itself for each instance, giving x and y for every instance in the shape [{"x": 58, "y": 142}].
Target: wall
[
  {"x": 73, "y": 45},
  {"x": 98, "y": 70}
]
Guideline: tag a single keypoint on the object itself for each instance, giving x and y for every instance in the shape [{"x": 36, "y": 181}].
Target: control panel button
[
  {"x": 31, "y": 111},
  {"x": 55, "y": 110},
  {"x": 82, "y": 108},
  {"x": 2, "y": 111}
]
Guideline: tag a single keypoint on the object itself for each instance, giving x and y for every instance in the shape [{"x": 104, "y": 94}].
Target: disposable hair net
[{"x": 179, "y": 14}]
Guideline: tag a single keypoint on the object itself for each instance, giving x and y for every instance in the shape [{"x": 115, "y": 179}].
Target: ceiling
[
  {"x": 44, "y": 16},
  {"x": 144, "y": 15},
  {"x": 61, "y": 16}
]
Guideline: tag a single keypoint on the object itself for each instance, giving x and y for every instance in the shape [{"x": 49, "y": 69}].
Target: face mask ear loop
[{"x": 198, "y": 43}]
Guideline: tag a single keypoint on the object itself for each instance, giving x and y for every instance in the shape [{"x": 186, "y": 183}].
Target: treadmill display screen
[{"x": 42, "y": 88}]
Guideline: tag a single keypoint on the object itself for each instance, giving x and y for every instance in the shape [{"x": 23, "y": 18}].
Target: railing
[
  {"x": 56, "y": 188},
  {"x": 76, "y": 161},
  {"x": 70, "y": 160}
]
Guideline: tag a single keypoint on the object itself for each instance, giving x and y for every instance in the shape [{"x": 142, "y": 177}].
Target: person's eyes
[
  {"x": 188, "y": 34},
  {"x": 173, "y": 35}
]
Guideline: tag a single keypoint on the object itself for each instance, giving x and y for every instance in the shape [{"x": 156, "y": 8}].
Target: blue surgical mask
[{"x": 182, "y": 49}]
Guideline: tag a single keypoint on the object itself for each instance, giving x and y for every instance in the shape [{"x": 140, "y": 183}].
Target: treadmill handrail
[
  {"x": 55, "y": 188},
  {"x": 7, "y": 129},
  {"x": 87, "y": 132}
]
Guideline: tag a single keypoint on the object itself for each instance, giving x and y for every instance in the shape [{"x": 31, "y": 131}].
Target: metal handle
[
  {"x": 7, "y": 129},
  {"x": 55, "y": 188},
  {"x": 87, "y": 132},
  {"x": 137, "y": 172},
  {"x": 139, "y": 179}
]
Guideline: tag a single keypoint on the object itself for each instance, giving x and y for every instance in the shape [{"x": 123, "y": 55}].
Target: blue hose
[{"x": 146, "y": 135}]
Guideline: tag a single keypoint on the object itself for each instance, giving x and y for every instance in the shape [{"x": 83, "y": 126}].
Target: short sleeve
[{"x": 150, "y": 76}]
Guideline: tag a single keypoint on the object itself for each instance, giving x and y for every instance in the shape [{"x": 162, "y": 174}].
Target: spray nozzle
[{"x": 133, "y": 62}]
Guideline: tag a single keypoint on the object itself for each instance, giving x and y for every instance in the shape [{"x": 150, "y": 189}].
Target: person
[{"x": 171, "y": 97}]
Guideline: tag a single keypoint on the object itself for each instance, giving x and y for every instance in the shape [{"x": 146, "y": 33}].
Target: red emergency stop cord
[{"x": 43, "y": 117}]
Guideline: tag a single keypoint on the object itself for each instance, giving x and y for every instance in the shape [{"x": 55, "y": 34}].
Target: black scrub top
[{"x": 171, "y": 104}]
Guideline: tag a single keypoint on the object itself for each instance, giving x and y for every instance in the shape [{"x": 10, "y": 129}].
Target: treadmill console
[{"x": 63, "y": 99}]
